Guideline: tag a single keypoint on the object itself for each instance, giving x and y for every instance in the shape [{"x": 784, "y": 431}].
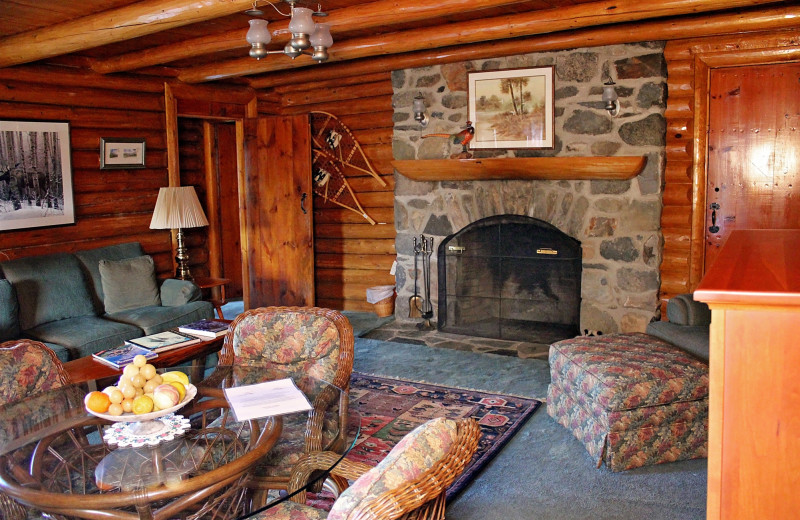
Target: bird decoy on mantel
[{"x": 463, "y": 138}]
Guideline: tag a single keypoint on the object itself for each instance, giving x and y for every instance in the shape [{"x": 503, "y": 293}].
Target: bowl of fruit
[{"x": 142, "y": 394}]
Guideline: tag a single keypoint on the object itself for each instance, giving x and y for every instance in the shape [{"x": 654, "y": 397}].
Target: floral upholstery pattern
[
  {"x": 291, "y": 341},
  {"x": 631, "y": 399},
  {"x": 416, "y": 453},
  {"x": 27, "y": 367}
]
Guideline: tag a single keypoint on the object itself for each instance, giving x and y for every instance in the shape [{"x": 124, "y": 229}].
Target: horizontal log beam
[
  {"x": 479, "y": 30},
  {"x": 132, "y": 21},
  {"x": 360, "y": 17},
  {"x": 697, "y": 26}
]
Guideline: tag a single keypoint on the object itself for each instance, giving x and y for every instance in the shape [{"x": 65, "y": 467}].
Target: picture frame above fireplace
[{"x": 512, "y": 108}]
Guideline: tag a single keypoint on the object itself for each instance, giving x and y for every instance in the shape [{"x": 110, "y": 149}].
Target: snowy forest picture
[
  {"x": 35, "y": 175},
  {"x": 512, "y": 108}
]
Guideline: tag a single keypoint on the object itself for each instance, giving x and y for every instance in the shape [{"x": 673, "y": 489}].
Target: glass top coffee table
[{"x": 58, "y": 458}]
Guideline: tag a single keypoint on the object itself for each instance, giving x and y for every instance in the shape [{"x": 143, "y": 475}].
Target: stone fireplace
[
  {"x": 510, "y": 277},
  {"x": 616, "y": 223}
]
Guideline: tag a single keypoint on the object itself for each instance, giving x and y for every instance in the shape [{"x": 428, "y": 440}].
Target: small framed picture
[
  {"x": 117, "y": 153},
  {"x": 512, "y": 108}
]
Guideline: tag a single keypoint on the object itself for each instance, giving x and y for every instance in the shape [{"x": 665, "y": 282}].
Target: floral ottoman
[{"x": 631, "y": 399}]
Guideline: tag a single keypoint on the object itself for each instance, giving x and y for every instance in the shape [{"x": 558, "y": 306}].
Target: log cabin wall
[
  {"x": 684, "y": 197},
  {"x": 111, "y": 206},
  {"x": 350, "y": 254}
]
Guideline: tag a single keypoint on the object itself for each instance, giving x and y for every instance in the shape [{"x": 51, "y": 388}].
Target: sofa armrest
[
  {"x": 684, "y": 310},
  {"x": 176, "y": 292}
]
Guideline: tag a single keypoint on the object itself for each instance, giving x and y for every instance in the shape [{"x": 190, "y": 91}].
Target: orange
[{"x": 97, "y": 401}]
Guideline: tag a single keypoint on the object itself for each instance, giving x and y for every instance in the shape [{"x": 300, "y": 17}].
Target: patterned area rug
[{"x": 390, "y": 408}]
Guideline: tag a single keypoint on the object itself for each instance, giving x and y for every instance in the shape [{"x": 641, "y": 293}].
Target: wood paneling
[
  {"x": 350, "y": 254},
  {"x": 683, "y": 217},
  {"x": 111, "y": 206}
]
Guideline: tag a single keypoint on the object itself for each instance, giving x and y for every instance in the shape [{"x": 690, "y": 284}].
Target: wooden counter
[{"x": 753, "y": 290}]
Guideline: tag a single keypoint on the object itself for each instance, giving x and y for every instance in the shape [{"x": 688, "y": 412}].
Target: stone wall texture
[{"x": 617, "y": 222}]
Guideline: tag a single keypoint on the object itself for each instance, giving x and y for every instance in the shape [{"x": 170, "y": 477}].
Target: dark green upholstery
[
  {"x": 49, "y": 288},
  {"x": 90, "y": 260},
  {"x": 157, "y": 318},
  {"x": 688, "y": 325},
  {"x": 58, "y": 299},
  {"x": 9, "y": 312}
]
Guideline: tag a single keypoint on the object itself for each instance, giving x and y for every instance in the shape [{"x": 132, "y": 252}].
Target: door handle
[
  {"x": 302, "y": 202},
  {"x": 714, "y": 228}
]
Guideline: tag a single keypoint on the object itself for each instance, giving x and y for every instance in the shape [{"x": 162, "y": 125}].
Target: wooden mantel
[{"x": 547, "y": 168}]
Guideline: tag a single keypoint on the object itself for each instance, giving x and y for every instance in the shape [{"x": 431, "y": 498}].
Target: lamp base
[{"x": 182, "y": 259}]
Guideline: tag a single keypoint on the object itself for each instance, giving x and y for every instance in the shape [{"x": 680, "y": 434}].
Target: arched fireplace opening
[{"x": 510, "y": 277}]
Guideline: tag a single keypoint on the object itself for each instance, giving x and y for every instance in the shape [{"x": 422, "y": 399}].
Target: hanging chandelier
[{"x": 306, "y": 34}]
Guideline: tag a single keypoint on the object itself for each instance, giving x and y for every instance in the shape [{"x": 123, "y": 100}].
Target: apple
[{"x": 166, "y": 396}]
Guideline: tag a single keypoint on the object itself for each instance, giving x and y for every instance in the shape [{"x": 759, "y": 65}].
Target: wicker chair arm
[{"x": 322, "y": 461}]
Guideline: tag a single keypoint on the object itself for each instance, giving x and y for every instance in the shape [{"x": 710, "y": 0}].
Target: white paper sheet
[{"x": 265, "y": 399}]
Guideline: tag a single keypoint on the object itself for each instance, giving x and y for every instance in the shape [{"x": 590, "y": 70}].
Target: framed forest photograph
[
  {"x": 35, "y": 175},
  {"x": 512, "y": 108}
]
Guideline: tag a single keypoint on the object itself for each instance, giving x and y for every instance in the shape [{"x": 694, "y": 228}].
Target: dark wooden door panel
[
  {"x": 753, "y": 148},
  {"x": 280, "y": 249}
]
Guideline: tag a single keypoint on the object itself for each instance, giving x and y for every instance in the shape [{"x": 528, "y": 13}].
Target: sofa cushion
[
  {"x": 90, "y": 260},
  {"x": 129, "y": 283},
  {"x": 682, "y": 309},
  {"x": 49, "y": 288},
  {"x": 179, "y": 292},
  {"x": 691, "y": 338},
  {"x": 85, "y": 335},
  {"x": 9, "y": 312},
  {"x": 156, "y": 318}
]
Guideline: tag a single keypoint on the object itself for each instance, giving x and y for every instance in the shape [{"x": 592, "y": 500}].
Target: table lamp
[{"x": 178, "y": 208}]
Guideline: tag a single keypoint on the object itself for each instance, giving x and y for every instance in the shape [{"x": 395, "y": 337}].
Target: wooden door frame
[
  {"x": 172, "y": 113},
  {"x": 704, "y": 63}
]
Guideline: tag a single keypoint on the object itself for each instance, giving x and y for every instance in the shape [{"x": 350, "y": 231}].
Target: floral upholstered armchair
[
  {"x": 411, "y": 480},
  {"x": 27, "y": 367},
  {"x": 294, "y": 342}
]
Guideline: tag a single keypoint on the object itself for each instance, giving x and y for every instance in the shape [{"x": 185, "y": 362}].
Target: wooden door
[
  {"x": 280, "y": 244},
  {"x": 753, "y": 147}
]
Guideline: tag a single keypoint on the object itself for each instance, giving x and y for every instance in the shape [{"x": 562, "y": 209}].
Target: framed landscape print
[
  {"x": 35, "y": 175},
  {"x": 512, "y": 108},
  {"x": 121, "y": 153}
]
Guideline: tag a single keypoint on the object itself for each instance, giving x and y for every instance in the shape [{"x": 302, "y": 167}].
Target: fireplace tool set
[{"x": 417, "y": 306}]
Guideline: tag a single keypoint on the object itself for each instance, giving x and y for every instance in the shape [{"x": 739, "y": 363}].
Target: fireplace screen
[{"x": 510, "y": 277}]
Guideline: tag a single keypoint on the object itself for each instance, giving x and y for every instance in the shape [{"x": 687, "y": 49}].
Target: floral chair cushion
[
  {"x": 417, "y": 452},
  {"x": 26, "y": 367},
  {"x": 295, "y": 342},
  {"x": 292, "y": 511}
]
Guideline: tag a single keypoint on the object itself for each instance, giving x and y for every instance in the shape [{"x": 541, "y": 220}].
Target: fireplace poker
[
  {"x": 414, "y": 302},
  {"x": 426, "y": 251}
]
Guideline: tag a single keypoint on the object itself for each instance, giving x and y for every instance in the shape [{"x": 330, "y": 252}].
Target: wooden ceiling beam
[
  {"x": 481, "y": 30},
  {"x": 775, "y": 18},
  {"x": 363, "y": 16},
  {"x": 131, "y": 21}
]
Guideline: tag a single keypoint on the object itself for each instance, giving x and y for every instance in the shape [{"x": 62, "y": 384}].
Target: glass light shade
[
  {"x": 258, "y": 32},
  {"x": 322, "y": 36},
  {"x": 177, "y": 208},
  {"x": 419, "y": 105},
  {"x": 609, "y": 94},
  {"x": 301, "y": 23}
]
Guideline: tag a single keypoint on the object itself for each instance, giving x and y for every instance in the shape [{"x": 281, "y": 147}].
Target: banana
[{"x": 175, "y": 375}]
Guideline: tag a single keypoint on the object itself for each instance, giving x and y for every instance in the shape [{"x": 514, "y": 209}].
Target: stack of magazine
[
  {"x": 148, "y": 346},
  {"x": 205, "y": 328}
]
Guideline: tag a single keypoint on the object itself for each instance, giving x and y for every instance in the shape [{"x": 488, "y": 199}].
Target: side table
[{"x": 211, "y": 283}]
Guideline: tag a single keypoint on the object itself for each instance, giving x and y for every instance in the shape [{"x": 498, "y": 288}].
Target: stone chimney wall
[{"x": 617, "y": 222}]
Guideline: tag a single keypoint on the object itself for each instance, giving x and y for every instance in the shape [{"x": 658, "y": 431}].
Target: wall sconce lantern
[
  {"x": 610, "y": 98},
  {"x": 420, "y": 111}
]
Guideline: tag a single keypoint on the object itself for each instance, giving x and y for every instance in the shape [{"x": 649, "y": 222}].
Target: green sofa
[
  {"x": 92, "y": 300},
  {"x": 688, "y": 325}
]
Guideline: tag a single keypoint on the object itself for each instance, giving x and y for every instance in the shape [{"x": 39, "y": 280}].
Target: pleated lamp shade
[{"x": 177, "y": 208}]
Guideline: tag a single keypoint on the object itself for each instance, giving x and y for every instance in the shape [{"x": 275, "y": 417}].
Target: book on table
[
  {"x": 205, "y": 328},
  {"x": 118, "y": 357},
  {"x": 163, "y": 341},
  {"x": 265, "y": 399}
]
